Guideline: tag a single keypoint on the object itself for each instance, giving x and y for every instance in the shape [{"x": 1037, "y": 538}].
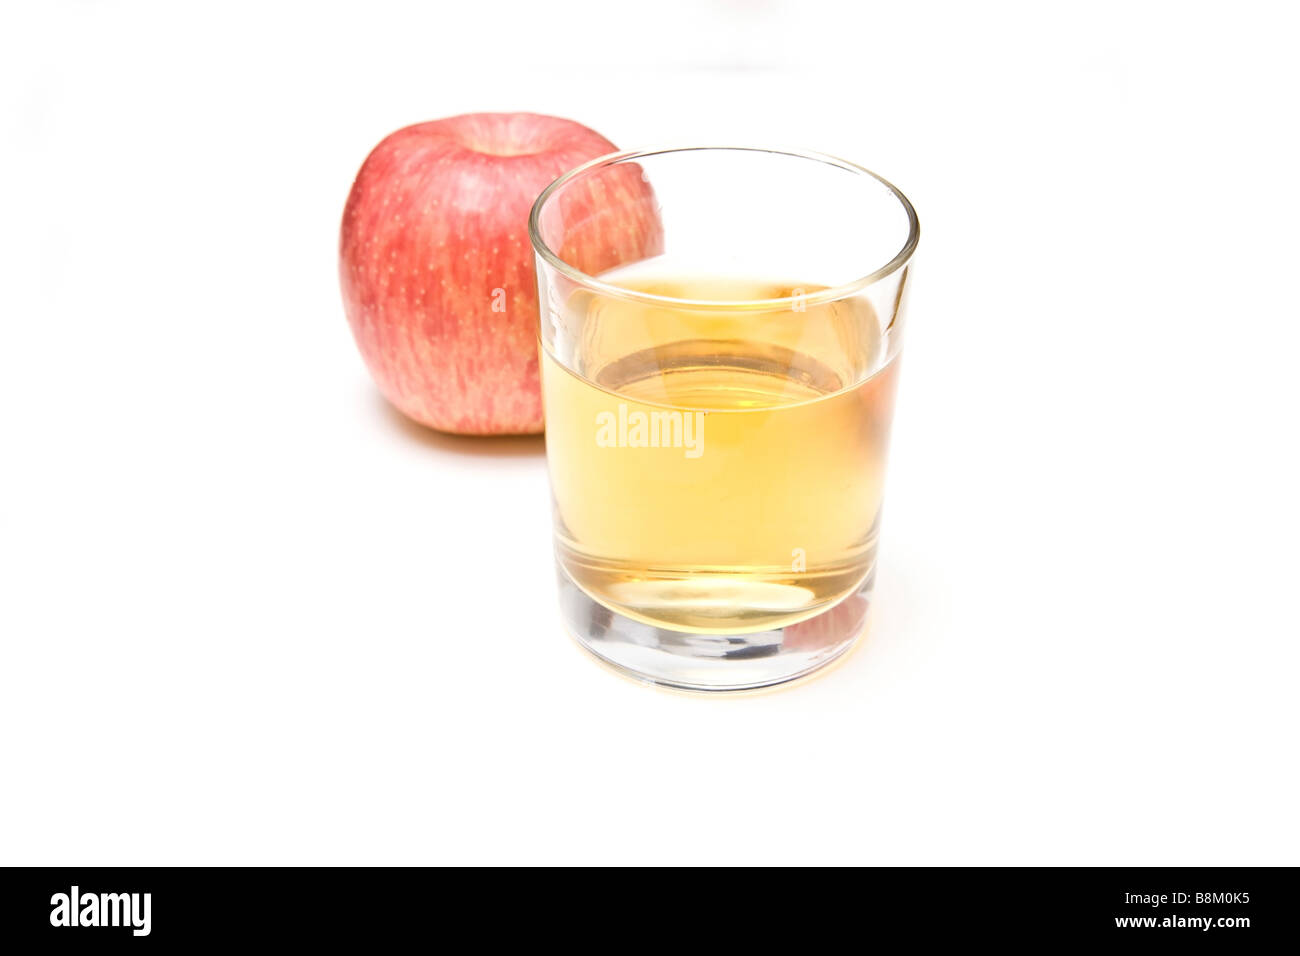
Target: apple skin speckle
[{"x": 450, "y": 199}]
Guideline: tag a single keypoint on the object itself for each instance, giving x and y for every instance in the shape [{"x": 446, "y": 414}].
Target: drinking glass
[{"x": 719, "y": 347}]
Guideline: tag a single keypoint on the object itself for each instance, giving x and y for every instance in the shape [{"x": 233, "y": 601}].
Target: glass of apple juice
[{"x": 719, "y": 347}]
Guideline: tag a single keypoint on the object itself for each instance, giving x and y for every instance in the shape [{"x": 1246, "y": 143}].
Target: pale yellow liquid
[{"x": 775, "y": 519}]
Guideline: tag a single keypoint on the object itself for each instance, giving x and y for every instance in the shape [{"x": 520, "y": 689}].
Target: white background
[{"x": 250, "y": 615}]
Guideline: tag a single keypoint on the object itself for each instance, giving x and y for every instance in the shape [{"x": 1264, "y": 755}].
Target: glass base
[{"x": 712, "y": 662}]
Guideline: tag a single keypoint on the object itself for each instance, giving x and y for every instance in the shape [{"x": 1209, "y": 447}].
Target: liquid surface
[{"x": 719, "y": 468}]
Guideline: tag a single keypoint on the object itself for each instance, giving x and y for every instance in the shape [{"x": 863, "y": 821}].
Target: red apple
[{"x": 437, "y": 270}]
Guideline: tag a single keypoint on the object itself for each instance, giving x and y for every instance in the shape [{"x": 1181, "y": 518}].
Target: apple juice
[{"x": 716, "y": 463}]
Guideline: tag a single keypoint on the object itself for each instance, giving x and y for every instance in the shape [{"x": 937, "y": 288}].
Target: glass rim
[{"x": 829, "y": 294}]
